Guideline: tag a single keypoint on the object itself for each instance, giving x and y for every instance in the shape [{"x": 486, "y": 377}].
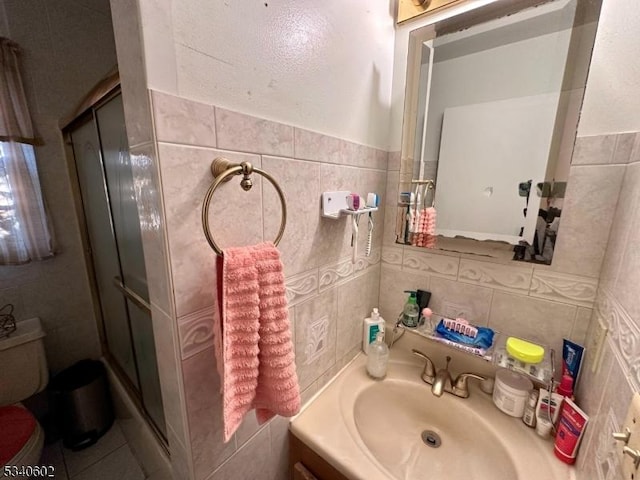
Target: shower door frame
[{"x": 86, "y": 114}]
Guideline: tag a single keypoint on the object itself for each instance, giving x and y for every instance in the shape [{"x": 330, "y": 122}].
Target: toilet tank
[{"x": 23, "y": 365}]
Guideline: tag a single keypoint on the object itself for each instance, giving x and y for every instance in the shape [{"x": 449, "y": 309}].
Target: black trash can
[{"x": 82, "y": 404}]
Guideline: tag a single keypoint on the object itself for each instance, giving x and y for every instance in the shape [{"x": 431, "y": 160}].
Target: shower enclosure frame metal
[{"x": 101, "y": 96}]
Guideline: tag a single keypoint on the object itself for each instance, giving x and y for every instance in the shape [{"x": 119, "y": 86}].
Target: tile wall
[
  {"x": 328, "y": 294},
  {"x": 610, "y": 379},
  {"x": 173, "y": 141}
]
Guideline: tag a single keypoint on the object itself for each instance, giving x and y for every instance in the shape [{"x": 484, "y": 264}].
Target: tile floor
[{"x": 109, "y": 459}]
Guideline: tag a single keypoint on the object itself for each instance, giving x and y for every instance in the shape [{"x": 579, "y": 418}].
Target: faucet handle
[
  {"x": 460, "y": 386},
  {"x": 429, "y": 369}
]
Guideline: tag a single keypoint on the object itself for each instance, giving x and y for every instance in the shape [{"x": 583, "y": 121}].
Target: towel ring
[{"x": 223, "y": 170}]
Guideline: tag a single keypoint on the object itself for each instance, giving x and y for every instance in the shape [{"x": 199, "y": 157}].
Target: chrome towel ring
[{"x": 223, "y": 170}]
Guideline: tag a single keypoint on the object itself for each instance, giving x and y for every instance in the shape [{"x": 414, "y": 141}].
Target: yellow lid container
[{"x": 524, "y": 351}]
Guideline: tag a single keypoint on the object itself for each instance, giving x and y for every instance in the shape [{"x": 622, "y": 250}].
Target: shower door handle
[{"x": 131, "y": 295}]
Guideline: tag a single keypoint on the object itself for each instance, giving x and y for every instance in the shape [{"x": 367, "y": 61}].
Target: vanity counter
[{"x": 370, "y": 430}]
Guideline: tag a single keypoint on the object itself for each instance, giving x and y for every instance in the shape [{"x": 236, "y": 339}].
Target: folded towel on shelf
[{"x": 254, "y": 351}]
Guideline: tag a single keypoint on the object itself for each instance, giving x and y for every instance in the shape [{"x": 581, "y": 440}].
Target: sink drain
[{"x": 431, "y": 438}]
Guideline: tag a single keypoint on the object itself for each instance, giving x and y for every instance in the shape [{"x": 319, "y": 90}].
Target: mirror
[{"x": 491, "y": 118}]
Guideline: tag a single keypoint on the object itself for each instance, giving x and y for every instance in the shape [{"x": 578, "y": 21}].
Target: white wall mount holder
[{"x": 334, "y": 205}]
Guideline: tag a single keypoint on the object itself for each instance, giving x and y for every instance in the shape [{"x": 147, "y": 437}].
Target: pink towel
[
  {"x": 254, "y": 351},
  {"x": 425, "y": 233}
]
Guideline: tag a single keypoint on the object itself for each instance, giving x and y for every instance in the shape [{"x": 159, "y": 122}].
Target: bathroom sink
[
  {"x": 456, "y": 443},
  {"x": 372, "y": 430}
]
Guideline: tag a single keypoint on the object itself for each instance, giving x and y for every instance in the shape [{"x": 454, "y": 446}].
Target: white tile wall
[
  {"x": 328, "y": 295},
  {"x": 609, "y": 381}
]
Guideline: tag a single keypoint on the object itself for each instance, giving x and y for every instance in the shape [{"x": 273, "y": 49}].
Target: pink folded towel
[
  {"x": 254, "y": 351},
  {"x": 425, "y": 234}
]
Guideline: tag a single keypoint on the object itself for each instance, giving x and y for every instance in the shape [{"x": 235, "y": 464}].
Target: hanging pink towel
[{"x": 254, "y": 351}]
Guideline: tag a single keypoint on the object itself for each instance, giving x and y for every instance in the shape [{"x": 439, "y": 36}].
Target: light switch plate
[
  {"x": 597, "y": 343},
  {"x": 632, "y": 422}
]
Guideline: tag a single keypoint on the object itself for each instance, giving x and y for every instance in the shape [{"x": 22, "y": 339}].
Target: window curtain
[{"x": 25, "y": 234}]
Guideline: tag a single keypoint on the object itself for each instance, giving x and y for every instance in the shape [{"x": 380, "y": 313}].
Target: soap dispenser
[
  {"x": 372, "y": 325},
  {"x": 411, "y": 312},
  {"x": 378, "y": 358}
]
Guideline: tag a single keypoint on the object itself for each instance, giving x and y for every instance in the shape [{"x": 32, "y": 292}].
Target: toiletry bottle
[
  {"x": 570, "y": 430},
  {"x": 529, "y": 415},
  {"x": 547, "y": 411},
  {"x": 372, "y": 325},
  {"x": 566, "y": 386},
  {"x": 411, "y": 313},
  {"x": 378, "y": 358},
  {"x": 425, "y": 324}
]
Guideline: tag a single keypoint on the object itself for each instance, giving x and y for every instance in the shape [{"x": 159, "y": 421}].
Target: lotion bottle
[{"x": 372, "y": 325}]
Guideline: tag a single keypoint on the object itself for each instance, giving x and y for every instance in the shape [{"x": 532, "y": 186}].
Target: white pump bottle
[{"x": 372, "y": 325}]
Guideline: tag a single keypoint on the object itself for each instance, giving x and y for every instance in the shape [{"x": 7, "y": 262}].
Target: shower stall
[{"x": 98, "y": 143}]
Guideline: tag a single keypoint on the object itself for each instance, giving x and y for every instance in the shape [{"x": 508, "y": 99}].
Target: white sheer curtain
[{"x": 24, "y": 229}]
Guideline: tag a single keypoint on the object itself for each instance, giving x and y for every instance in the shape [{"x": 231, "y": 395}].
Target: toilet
[{"x": 23, "y": 372}]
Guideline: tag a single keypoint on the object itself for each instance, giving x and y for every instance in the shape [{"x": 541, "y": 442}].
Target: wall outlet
[
  {"x": 632, "y": 422},
  {"x": 455, "y": 310},
  {"x": 596, "y": 344}
]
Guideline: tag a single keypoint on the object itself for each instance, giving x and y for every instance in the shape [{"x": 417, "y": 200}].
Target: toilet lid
[{"x": 17, "y": 425}]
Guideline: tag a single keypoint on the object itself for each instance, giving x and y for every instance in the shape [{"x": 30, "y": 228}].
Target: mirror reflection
[{"x": 497, "y": 107}]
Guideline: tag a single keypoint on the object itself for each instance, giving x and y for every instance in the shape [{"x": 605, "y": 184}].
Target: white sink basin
[
  {"x": 371, "y": 430},
  {"x": 468, "y": 446}
]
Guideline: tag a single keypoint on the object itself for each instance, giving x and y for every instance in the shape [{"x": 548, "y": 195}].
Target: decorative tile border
[
  {"x": 196, "y": 332},
  {"x": 392, "y": 257},
  {"x": 301, "y": 286},
  {"x": 494, "y": 275},
  {"x": 624, "y": 333},
  {"x": 340, "y": 272},
  {"x": 332, "y": 274},
  {"x": 565, "y": 288},
  {"x": 317, "y": 339},
  {"x": 363, "y": 263},
  {"x": 440, "y": 265}
]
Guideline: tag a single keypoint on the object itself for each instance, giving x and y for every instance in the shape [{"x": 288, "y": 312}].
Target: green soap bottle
[{"x": 411, "y": 312}]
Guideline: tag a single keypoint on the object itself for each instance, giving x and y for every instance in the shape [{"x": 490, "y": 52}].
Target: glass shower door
[
  {"x": 104, "y": 251},
  {"x": 108, "y": 194}
]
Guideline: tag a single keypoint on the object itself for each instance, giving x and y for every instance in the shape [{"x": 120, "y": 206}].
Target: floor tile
[
  {"x": 160, "y": 475},
  {"x": 144, "y": 446},
  {"x": 52, "y": 456},
  {"x": 78, "y": 461},
  {"x": 118, "y": 465}
]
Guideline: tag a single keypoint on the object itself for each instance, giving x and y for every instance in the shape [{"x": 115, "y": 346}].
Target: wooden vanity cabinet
[{"x": 305, "y": 464}]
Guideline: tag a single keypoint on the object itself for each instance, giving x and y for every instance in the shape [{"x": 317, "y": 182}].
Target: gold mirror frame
[{"x": 408, "y": 9}]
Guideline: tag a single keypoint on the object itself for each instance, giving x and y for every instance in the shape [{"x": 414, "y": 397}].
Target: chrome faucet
[
  {"x": 441, "y": 381},
  {"x": 460, "y": 387}
]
